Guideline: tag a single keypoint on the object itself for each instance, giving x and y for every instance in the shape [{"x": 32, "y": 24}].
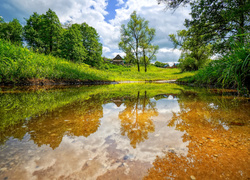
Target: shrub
[{"x": 232, "y": 70}]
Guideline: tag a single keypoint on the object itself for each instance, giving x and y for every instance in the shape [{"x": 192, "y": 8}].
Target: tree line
[
  {"x": 80, "y": 42},
  {"x": 216, "y": 28},
  {"x": 45, "y": 34}
]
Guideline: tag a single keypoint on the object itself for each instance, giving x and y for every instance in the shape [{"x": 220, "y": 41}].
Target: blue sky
[
  {"x": 107, "y": 16},
  {"x": 111, "y": 7}
]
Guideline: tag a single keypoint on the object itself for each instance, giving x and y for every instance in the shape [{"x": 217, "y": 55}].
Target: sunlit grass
[{"x": 19, "y": 64}]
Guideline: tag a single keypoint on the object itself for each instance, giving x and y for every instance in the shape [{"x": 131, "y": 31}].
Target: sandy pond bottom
[{"x": 95, "y": 133}]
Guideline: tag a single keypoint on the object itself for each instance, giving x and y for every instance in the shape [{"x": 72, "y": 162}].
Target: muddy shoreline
[{"x": 47, "y": 82}]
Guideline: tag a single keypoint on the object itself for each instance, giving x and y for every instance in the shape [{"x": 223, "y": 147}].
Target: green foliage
[
  {"x": 1, "y": 19},
  {"x": 11, "y": 31},
  {"x": 194, "y": 54},
  {"x": 160, "y": 64},
  {"x": 174, "y": 4},
  {"x": 114, "y": 68},
  {"x": 71, "y": 46},
  {"x": 42, "y": 32},
  {"x": 215, "y": 21},
  {"x": 136, "y": 39},
  {"x": 18, "y": 64},
  {"x": 188, "y": 64},
  {"x": 148, "y": 49},
  {"x": 32, "y": 31},
  {"x": 50, "y": 31},
  {"x": 224, "y": 25},
  {"x": 78, "y": 42},
  {"x": 92, "y": 45},
  {"x": 232, "y": 70}
]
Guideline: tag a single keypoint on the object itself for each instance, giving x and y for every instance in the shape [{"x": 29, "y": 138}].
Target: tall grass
[
  {"x": 17, "y": 64},
  {"x": 230, "y": 71}
]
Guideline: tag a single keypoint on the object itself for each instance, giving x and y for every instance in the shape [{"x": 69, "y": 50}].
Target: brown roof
[{"x": 118, "y": 57}]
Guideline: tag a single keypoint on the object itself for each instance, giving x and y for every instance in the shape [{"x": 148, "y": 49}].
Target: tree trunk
[
  {"x": 144, "y": 58},
  {"x": 242, "y": 22},
  {"x": 136, "y": 54}
]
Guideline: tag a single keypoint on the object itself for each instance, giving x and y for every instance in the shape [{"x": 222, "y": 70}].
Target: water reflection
[
  {"x": 123, "y": 132},
  {"x": 217, "y": 130},
  {"x": 136, "y": 118},
  {"x": 81, "y": 118}
]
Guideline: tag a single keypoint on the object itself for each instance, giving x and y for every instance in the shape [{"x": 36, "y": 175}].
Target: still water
[{"x": 124, "y": 131}]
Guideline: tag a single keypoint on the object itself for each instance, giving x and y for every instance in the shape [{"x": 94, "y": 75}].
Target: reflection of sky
[
  {"x": 167, "y": 105},
  {"x": 102, "y": 151}
]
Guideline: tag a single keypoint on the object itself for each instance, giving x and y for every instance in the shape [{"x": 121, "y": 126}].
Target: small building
[{"x": 118, "y": 60}]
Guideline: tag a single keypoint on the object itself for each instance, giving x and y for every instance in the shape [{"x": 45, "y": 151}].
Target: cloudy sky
[{"x": 106, "y": 16}]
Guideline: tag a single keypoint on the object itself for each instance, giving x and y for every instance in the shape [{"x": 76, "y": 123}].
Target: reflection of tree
[
  {"x": 218, "y": 148},
  {"x": 136, "y": 120},
  {"x": 78, "y": 119},
  {"x": 16, "y": 131}
]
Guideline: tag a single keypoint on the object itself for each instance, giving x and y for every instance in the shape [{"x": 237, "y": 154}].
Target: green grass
[
  {"x": 230, "y": 71},
  {"x": 154, "y": 73},
  {"x": 18, "y": 64}
]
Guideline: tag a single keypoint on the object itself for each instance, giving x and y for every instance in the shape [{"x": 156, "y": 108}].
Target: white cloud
[
  {"x": 120, "y": 2},
  {"x": 105, "y": 49},
  {"x": 166, "y": 50},
  {"x": 165, "y": 23},
  {"x": 93, "y": 13}
]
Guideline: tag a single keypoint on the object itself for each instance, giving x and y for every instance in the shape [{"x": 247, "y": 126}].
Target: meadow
[{"x": 20, "y": 65}]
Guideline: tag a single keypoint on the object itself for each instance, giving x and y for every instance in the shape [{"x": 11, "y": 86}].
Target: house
[
  {"x": 118, "y": 101},
  {"x": 118, "y": 60}
]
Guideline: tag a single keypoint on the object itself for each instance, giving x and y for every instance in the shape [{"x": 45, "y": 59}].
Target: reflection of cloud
[
  {"x": 168, "y": 105},
  {"x": 111, "y": 107},
  {"x": 102, "y": 151}
]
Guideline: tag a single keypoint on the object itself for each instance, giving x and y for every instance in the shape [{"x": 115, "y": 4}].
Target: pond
[{"x": 123, "y": 131}]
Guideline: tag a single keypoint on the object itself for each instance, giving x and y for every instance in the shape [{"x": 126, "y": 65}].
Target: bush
[
  {"x": 231, "y": 71},
  {"x": 188, "y": 64},
  {"x": 113, "y": 67},
  {"x": 160, "y": 64}
]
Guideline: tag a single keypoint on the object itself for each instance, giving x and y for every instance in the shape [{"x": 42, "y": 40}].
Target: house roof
[{"x": 118, "y": 57}]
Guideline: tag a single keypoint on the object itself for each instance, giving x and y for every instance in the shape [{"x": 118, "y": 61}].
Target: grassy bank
[
  {"x": 18, "y": 65},
  {"x": 230, "y": 71}
]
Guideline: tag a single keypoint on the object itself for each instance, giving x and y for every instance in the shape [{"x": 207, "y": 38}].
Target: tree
[
  {"x": 217, "y": 21},
  {"x": 195, "y": 54},
  {"x": 148, "y": 50},
  {"x": 174, "y": 4},
  {"x": 129, "y": 58},
  {"x": 90, "y": 40},
  {"x": 50, "y": 31},
  {"x": 32, "y": 32},
  {"x": 71, "y": 46},
  {"x": 1, "y": 19},
  {"x": 42, "y": 32},
  {"x": 132, "y": 36},
  {"x": 11, "y": 31}
]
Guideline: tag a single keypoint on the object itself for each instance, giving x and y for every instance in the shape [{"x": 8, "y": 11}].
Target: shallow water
[{"x": 129, "y": 131}]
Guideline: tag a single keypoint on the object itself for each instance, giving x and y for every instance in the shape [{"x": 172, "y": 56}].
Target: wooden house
[{"x": 118, "y": 60}]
